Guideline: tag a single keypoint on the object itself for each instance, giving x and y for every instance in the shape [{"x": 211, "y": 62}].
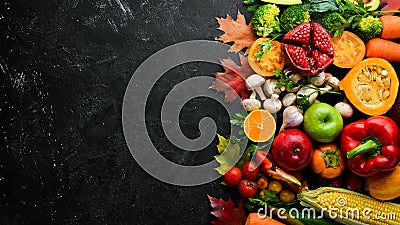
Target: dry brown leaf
[
  {"x": 238, "y": 31},
  {"x": 232, "y": 81}
]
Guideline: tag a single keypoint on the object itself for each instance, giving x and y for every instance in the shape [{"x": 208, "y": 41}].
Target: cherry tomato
[
  {"x": 275, "y": 186},
  {"x": 262, "y": 182},
  {"x": 247, "y": 188},
  {"x": 286, "y": 196},
  {"x": 250, "y": 170},
  {"x": 233, "y": 176}
]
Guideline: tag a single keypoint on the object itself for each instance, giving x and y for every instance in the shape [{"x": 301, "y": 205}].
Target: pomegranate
[{"x": 308, "y": 49}]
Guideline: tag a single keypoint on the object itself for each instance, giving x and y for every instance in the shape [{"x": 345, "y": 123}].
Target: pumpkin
[
  {"x": 349, "y": 50},
  {"x": 384, "y": 185},
  {"x": 371, "y": 86}
]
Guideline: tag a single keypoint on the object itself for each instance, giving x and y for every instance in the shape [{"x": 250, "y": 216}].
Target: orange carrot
[
  {"x": 390, "y": 27},
  {"x": 385, "y": 49},
  {"x": 256, "y": 219}
]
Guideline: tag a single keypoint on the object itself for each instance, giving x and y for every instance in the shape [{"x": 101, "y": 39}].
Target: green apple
[{"x": 322, "y": 122}]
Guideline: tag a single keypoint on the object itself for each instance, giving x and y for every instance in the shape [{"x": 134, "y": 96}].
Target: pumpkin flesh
[{"x": 371, "y": 86}]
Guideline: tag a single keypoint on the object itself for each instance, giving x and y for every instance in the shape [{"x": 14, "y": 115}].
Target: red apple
[{"x": 292, "y": 149}]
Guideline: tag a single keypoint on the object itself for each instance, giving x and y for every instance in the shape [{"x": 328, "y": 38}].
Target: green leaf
[
  {"x": 320, "y": 5},
  {"x": 223, "y": 143},
  {"x": 228, "y": 158}
]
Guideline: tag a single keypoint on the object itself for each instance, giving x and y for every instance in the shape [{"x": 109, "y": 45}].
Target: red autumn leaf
[
  {"x": 232, "y": 81},
  {"x": 226, "y": 212},
  {"x": 238, "y": 31}
]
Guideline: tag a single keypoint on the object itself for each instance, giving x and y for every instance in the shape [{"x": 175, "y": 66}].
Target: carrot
[
  {"x": 259, "y": 219},
  {"x": 390, "y": 27},
  {"x": 385, "y": 49}
]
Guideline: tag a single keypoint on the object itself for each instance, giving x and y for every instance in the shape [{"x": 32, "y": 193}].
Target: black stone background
[{"x": 64, "y": 67}]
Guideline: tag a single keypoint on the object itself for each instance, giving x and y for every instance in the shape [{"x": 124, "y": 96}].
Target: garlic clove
[
  {"x": 292, "y": 117},
  {"x": 272, "y": 105}
]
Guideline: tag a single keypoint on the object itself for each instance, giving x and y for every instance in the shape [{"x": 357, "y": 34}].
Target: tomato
[
  {"x": 349, "y": 50},
  {"x": 286, "y": 196},
  {"x": 247, "y": 188},
  {"x": 250, "y": 170},
  {"x": 233, "y": 176},
  {"x": 275, "y": 186},
  {"x": 269, "y": 61},
  {"x": 262, "y": 182}
]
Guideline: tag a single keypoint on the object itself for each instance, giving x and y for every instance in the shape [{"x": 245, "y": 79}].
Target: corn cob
[{"x": 348, "y": 207}]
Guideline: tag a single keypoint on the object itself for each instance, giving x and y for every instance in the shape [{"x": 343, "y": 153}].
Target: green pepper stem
[{"x": 368, "y": 147}]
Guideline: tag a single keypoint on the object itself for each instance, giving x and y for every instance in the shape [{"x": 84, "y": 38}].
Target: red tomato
[
  {"x": 233, "y": 176},
  {"x": 250, "y": 170},
  {"x": 247, "y": 189}
]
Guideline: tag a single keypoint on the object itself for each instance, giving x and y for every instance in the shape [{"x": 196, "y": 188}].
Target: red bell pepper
[{"x": 371, "y": 145}]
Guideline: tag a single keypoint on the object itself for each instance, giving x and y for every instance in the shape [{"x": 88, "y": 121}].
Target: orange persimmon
[{"x": 328, "y": 161}]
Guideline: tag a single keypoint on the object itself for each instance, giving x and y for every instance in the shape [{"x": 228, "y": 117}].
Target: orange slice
[{"x": 259, "y": 125}]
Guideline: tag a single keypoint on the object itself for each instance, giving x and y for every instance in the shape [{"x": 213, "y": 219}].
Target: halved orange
[{"x": 259, "y": 125}]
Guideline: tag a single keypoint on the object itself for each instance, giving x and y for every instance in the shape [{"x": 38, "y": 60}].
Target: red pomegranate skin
[{"x": 308, "y": 49}]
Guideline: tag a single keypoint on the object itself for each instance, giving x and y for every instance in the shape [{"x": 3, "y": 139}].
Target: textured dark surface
[{"x": 64, "y": 67}]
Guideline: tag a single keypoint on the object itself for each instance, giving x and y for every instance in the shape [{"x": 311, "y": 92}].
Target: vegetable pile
[{"x": 320, "y": 122}]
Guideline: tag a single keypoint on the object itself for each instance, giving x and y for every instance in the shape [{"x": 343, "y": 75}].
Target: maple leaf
[
  {"x": 226, "y": 212},
  {"x": 232, "y": 81},
  {"x": 238, "y": 32},
  {"x": 228, "y": 158}
]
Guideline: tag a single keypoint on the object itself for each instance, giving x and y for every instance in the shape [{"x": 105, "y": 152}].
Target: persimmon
[
  {"x": 328, "y": 161},
  {"x": 349, "y": 50}
]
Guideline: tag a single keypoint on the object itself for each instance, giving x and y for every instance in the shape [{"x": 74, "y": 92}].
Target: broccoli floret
[
  {"x": 293, "y": 16},
  {"x": 368, "y": 28},
  {"x": 332, "y": 22},
  {"x": 266, "y": 21}
]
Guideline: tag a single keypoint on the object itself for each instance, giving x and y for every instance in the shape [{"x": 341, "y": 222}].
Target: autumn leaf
[
  {"x": 238, "y": 32},
  {"x": 232, "y": 81},
  {"x": 230, "y": 154},
  {"x": 226, "y": 212},
  {"x": 222, "y": 143}
]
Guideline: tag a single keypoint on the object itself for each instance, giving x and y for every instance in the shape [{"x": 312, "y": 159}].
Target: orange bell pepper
[{"x": 328, "y": 161}]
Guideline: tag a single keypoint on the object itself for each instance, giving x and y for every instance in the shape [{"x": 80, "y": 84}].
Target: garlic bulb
[
  {"x": 292, "y": 117},
  {"x": 289, "y": 99},
  {"x": 273, "y": 104}
]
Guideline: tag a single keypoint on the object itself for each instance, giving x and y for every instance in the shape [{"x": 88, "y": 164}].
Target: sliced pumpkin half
[{"x": 371, "y": 86}]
